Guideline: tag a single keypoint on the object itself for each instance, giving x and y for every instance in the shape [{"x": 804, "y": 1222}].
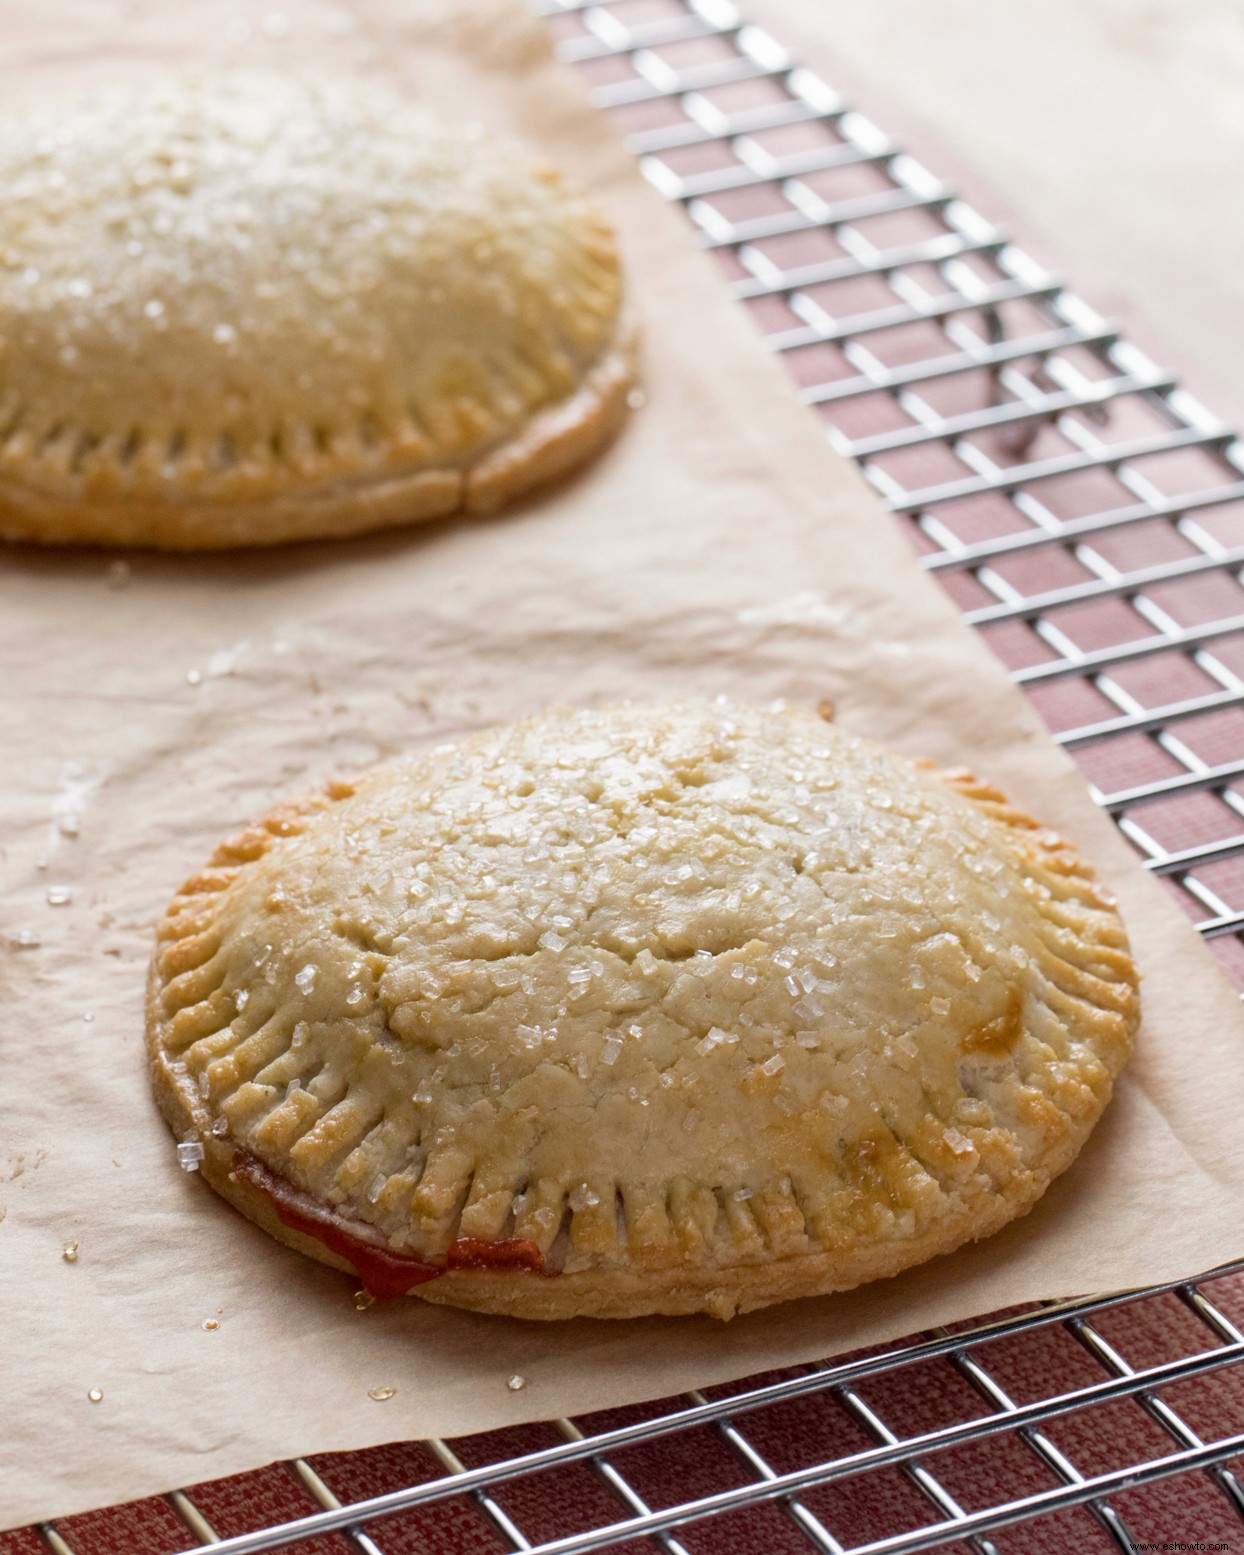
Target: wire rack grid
[{"x": 1087, "y": 514}]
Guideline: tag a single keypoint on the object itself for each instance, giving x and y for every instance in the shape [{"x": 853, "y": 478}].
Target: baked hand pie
[
  {"x": 657, "y": 1009},
  {"x": 237, "y": 309}
]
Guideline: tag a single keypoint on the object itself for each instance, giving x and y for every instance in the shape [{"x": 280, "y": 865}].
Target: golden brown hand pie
[
  {"x": 656, "y": 1009},
  {"x": 248, "y": 308}
]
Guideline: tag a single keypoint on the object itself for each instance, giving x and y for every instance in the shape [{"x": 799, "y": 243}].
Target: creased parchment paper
[{"x": 719, "y": 547}]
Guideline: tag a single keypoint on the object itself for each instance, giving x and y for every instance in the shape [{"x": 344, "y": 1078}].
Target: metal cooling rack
[{"x": 1088, "y": 516}]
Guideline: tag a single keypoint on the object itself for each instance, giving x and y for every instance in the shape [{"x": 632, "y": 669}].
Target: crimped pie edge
[{"x": 559, "y": 439}]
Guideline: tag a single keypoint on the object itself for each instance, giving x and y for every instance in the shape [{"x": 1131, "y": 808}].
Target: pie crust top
[
  {"x": 242, "y": 308},
  {"x": 660, "y": 1008}
]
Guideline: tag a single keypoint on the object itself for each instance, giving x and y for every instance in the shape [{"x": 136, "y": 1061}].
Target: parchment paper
[{"x": 720, "y": 546}]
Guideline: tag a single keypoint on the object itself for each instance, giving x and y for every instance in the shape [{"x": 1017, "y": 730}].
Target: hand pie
[
  {"x": 241, "y": 309},
  {"x": 657, "y": 1009}
]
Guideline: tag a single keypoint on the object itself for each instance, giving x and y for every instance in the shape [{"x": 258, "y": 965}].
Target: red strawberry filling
[{"x": 385, "y": 1274}]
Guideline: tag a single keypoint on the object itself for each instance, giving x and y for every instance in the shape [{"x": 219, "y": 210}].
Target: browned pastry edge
[{"x": 559, "y": 439}]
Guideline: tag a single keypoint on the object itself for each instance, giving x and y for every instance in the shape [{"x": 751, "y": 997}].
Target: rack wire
[{"x": 1087, "y": 514}]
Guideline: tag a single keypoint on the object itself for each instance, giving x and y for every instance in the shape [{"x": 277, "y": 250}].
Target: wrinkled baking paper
[{"x": 720, "y": 546}]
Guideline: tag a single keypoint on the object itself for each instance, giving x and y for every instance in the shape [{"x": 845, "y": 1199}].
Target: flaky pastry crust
[
  {"x": 243, "y": 309},
  {"x": 688, "y": 1008}
]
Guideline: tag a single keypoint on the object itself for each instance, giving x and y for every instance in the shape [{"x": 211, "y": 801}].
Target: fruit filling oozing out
[{"x": 384, "y": 1274}]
